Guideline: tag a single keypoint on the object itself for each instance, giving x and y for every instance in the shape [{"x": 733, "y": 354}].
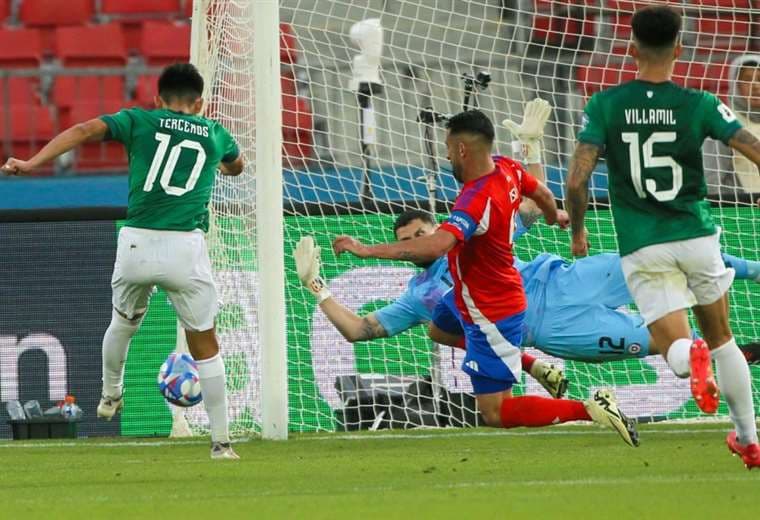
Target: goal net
[{"x": 356, "y": 155}]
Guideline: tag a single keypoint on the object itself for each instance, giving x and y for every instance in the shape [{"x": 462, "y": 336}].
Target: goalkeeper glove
[
  {"x": 306, "y": 255},
  {"x": 531, "y": 131}
]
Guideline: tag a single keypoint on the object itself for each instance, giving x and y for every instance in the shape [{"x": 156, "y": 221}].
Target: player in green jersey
[
  {"x": 651, "y": 131},
  {"x": 174, "y": 154}
]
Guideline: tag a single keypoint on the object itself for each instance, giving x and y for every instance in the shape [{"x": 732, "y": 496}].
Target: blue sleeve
[
  {"x": 400, "y": 315},
  {"x": 520, "y": 228},
  {"x": 461, "y": 224}
]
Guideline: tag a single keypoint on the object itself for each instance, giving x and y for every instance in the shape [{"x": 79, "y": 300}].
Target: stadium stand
[
  {"x": 163, "y": 43},
  {"x": 20, "y": 48},
  {"x": 53, "y": 40},
  {"x": 91, "y": 46}
]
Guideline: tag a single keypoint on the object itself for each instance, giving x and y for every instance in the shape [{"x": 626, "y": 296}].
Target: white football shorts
[
  {"x": 676, "y": 275},
  {"x": 176, "y": 261}
]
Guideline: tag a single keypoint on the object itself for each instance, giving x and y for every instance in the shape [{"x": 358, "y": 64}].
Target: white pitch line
[{"x": 354, "y": 437}]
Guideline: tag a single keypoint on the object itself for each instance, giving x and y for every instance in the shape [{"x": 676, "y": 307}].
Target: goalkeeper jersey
[
  {"x": 652, "y": 135},
  {"x": 173, "y": 158}
]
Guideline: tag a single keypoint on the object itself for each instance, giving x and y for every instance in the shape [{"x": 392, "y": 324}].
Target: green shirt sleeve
[
  {"x": 592, "y": 129},
  {"x": 719, "y": 121},
  {"x": 119, "y": 126},
  {"x": 230, "y": 147}
]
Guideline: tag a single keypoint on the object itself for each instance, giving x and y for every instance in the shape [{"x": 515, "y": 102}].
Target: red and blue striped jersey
[{"x": 488, "y": 287}]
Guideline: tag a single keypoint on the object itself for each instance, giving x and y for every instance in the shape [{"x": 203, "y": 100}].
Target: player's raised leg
[{"x": 493, "y": 364}]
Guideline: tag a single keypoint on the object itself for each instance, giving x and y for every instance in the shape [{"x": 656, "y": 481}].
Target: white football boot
[
  {"x": 223, "y": 451},
  {"x": 109, "y": 406},
  {"x": 603, "y": 409}
]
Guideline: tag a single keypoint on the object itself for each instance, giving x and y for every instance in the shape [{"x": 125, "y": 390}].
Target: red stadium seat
[
  {"x": 556, "y": 24},
  {"x": 27, "y": 127},
  {"x": 288, "y": 44},
  {"x": 733, "y": 4},
  {"x": 68, "y": 90},
  {"x": 594, "y": 77},
  {"x": 146, "y": 90},
  {"x": 163, "y": 43},
  {"x": 96, "y": 156},
  {"x": 297, "y": 126},
  {"x": 712, "y": 77},
  {"x": 724, "y": 32},
  {"x": 19, "y": 91},
  {"x": 5, "y": 10},
  {"x": 139, "y": 7},
  {"x": 187, "y": 8},
  {"x": 99, "y": 45},
  {"x": 45, "y": 13},
  {"x": 20, "y": 48}
]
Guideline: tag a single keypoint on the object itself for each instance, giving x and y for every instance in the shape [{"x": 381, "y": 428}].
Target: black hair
[
  {"x": 413, "y": 214},
  {"x": 656, "y": 26},
  {"x": 180, "y": 81},
  {"x": 472, "y": 122}
]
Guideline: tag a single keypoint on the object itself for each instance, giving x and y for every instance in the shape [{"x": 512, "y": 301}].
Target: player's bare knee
[{"x": 202, "y": 344}]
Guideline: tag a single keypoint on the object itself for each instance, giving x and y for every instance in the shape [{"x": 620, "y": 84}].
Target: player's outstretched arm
[
  {"x": 544, "y": 199},
  {"x": 582, "y": 164},
  {"x": 418, "y": 250},
  {"x": 349, "y": 324},
  {"x": 92, "y": 130}
]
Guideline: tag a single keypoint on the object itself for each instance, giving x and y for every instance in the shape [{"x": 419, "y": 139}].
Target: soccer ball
[{"x": 178, "y": 380}]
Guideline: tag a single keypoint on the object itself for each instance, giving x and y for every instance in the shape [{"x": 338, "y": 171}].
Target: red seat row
[
  {"x": 713, "y": 77},
  {"x": 95, "y": 45},
  {"x": 52, "y": 13}
]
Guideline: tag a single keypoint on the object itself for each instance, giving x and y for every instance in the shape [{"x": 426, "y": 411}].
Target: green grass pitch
[{"x": 680, "y": 471}]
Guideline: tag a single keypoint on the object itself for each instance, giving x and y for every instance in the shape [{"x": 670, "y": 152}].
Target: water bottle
[
  {"x": 32, "y": 409},
  {"x": 15, "y": 410}
]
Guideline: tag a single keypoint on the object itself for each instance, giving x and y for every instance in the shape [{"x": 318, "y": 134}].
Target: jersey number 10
[{"x": 171, "y": 164}]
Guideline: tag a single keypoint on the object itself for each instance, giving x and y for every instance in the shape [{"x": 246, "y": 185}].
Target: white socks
[
  {"x": 212, "y": 377},
  {"x": 678, "y": 357},
  {"x": 115, "y": 346},
  {"x": 735, "y": 385}
]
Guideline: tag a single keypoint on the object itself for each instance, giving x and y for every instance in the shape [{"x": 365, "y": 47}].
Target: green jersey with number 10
[
  {"x": 173, "y": 158},
  {"x": 652, "y": 135}
]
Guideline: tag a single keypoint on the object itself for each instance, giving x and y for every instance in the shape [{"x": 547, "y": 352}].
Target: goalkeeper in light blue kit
[
  {"x": 174, "y": 154},
  {"x": 573, "y": 308}
]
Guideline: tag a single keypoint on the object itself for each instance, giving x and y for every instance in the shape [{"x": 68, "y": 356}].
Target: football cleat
[
  {"x": 751, "y": 353},
  {"x": 109, "y": 406},
  {"x": 603, "y": 409},
  {"x": 703, "y": 385},
  {"x": 223, "y": 451},
  {"x": 551, "y": 378},
  {"x": 750, "y": 453}
]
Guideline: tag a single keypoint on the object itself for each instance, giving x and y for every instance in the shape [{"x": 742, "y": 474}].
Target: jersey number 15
[
  {"x": 171, "y": 164},
  {"x": 650, "y": 161}
]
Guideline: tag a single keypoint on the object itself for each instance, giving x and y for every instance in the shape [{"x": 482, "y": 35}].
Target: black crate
[{"x": 44, "y": 428}]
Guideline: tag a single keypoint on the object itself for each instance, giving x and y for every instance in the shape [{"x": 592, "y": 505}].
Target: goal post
[
  {"x": 235, "y": 45},
  {"x": 289, "y": 100},
  {"x": 269, "y": 220}
]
